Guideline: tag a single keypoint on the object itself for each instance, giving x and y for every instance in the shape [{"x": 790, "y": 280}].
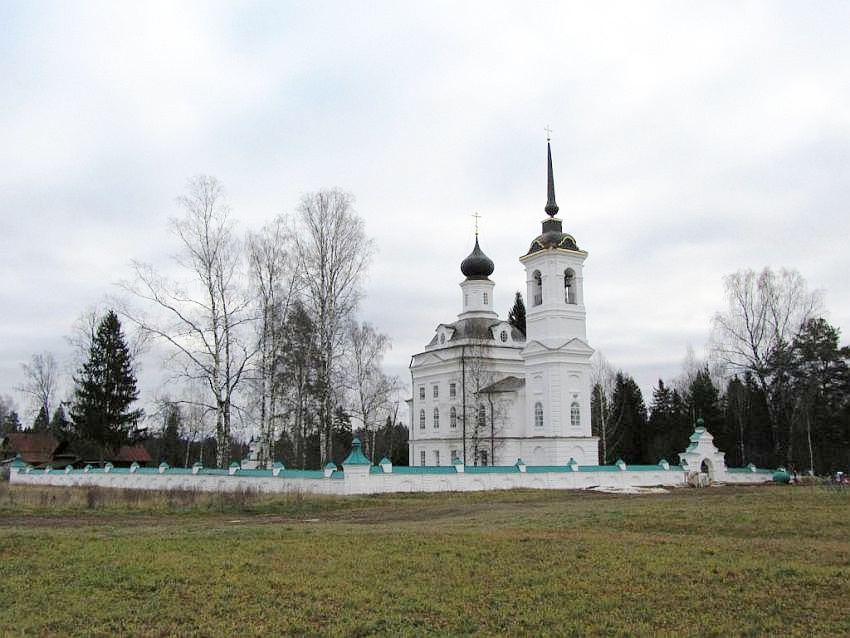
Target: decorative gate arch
[{"x": 702, "y": 457}]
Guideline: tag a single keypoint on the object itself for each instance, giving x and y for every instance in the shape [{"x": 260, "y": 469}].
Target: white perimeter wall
[{"x": 358, "y": 480}]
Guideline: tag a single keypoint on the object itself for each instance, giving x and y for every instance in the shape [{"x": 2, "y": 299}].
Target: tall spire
[{"x": 551, "y": 207}]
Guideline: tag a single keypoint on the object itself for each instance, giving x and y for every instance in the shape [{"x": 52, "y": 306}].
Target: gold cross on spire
[
  {"x": 548, "y": 133},
  {"x": 477, "y": 217}
]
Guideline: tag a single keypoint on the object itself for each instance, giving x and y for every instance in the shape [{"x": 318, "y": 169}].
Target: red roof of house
[
  {"x": 130, "y": 453},
  {"x": 35, "y": 448}
]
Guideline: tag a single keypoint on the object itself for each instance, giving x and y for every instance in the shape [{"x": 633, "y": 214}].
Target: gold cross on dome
[
  {"x": 477, "y": 217},
  {"x": 548, "y": 133}
]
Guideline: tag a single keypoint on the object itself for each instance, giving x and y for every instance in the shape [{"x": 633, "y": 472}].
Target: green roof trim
[
  {"x": 492, "y": 469},
  {"x": 427, "y": 469},
  {"x": 356, "y": 456}
]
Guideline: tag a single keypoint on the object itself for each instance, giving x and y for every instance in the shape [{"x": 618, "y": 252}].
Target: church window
[
  {"x": 453, "y": 417},
  {"x": 503, "y": 336},
  {"x": 437, "y": 458},
  {"x": 482, "y": 416},
  {"x": 575, "y": 414},
  {"x": 569, "y": 286},
  {"x": 436, "y": 418},
  {"x": 443, "y": 338},
  {"x": 421, "y": 419},
  {"x": 483, "y": 457},
  {"x": 538, "y": 415},
  {"x": 422, "y": 458},
  {"x": 537, "y": 288},
  {"x": 436, "y": 391},
  {"x": 454, "y": 456},
  {"x": 485, "y": 298},
  {"x": 452, "y": 390},
  {"x": 421, "y": 392}
]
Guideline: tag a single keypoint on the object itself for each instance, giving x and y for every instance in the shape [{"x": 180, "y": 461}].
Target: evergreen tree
[
  {"x": 628, "y": 413},
  {"x": 668, "y": 427},
  {"x": 105, "y": 390},
  {"x": 732, "y": 437},
  {"x": 516, "y": 316},
  {"x": 42, "y": 422},
  {"x": 10, "y": 423},
  {"x": 297, "y": 378},
  {"x": 341, "y": 435},
  {"x": 60, "y": 426},
  {"x": 170, "y": 450},
  {"x": 820, "y": 379},
  {"x": 703, "y": 401},
  {"x": 603, "y": 426}
]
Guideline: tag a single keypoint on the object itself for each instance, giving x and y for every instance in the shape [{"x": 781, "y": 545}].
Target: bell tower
[{"x": 557, "y": 356}]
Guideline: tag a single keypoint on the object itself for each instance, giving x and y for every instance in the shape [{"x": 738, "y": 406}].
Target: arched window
[
  {"x": 482, "y": 416},
  {"x": 485, "y": 298},
  {"x": 538, "y": 415},
  {"x": 436, "y": 418},
  {"x": 453, "y": 417},
  {"x": 569, "y": 286},
  {"x": 536, "y": 288},
  {"x": 575, "y": 414},
  {"x": 421, "y": 419}
]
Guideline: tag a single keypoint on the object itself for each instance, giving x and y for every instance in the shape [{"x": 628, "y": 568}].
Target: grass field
[{"x": 771, "y": 560}]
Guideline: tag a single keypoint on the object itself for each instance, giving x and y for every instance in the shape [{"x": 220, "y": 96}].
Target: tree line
[
  {"x": 774, "y": 391},
  {"x": 260, "y": 330}
]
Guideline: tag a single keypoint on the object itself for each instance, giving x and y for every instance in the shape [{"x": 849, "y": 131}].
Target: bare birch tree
[
  {"x": 272, "y": 268},
  {"x": 205, "y": 322},
  {"x": 333, "y": 254},
  {"x": 41, "y": 381},
  {"x": 603, "y": 381},
  {"x": 766, "y": 311},
  {"x": 476, "y": 374},
  {"x": 371, "y": 390}
]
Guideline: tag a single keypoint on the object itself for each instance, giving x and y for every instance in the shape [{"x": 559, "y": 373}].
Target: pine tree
[
  {"x": 704, "y": 400},
  {"x": 105, "y": 389},
  {"x": 516, "y": 316},
  {"x": 60, "y": 426},
  {"x": 170, "y": 451},
  {"x": 42, "y": 422},
  {"x": 820, "y": 378},
  {"x": 628, "y": 413},
  {"x": 669, "y": 426},
  {"x": 10, "y": 423}
]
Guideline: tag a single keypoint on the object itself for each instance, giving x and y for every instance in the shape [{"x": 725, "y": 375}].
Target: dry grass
[{"x": 730, "y": 561}]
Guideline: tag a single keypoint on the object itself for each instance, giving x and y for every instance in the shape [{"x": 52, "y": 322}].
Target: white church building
[{"x": 485, "y": 394}]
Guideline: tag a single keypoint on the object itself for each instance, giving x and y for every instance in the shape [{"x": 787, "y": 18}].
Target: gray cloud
[{"x": 690, "y": 141}]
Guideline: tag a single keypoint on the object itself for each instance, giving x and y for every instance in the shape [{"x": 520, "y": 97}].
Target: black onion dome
[{"x": 477, "y": 265}]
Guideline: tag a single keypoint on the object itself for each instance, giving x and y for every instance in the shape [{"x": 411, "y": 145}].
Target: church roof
[
  {"x": 476, "y": 328},
  {"x": 508, "y": 384},
  {"x": 477, "y": 265}
]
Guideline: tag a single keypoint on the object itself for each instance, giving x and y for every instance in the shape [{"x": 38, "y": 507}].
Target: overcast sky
[{"x": 689, "y": 140}]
